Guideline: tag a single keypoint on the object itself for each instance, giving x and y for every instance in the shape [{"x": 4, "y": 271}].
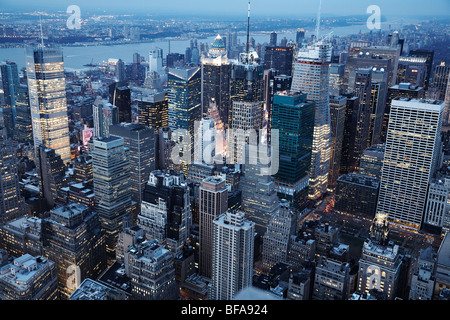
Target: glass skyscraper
[
  {"x": 47, "y": 94},
  {"x": 293, "y": 116},
  {"x": 312, "y": 76}
]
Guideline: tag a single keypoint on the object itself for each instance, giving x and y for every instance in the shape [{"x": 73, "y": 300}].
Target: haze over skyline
[{"x": 259, "y": 8}]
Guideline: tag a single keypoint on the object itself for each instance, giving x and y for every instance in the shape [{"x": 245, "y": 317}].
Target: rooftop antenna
[
  {"x": 42, "y": 34},
  {"x": 318, "y": 20},
  {"x": 248, "y": 27}
]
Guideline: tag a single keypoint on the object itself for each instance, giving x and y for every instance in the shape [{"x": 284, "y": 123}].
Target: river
[{"x": 75, "y": 57}]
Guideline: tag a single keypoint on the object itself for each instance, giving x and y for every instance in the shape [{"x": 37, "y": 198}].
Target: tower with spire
[{"x": 311, "y": 76}]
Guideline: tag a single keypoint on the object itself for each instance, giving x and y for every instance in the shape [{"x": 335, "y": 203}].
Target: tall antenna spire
[
  {"x": 42, "y": 34},
  {"x": 248, "y": 27},
  {"x": 318, "y": 20}
]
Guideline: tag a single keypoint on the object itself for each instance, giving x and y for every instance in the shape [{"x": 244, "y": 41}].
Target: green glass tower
[{"x": 293, "y": 115}]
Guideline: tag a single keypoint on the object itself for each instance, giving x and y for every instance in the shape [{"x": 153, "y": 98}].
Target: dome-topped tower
[{"x": 217, "y": 47}]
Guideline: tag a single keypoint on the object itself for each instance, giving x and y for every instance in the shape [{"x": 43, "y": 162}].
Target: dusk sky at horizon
[{"x": 288, "y": 8}]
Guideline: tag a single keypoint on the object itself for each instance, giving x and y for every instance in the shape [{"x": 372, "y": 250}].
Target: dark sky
[{"x": 273, "y": 8}]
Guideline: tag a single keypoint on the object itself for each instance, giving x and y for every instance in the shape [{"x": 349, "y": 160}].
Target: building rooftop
[{"x": 90, "y": 290}]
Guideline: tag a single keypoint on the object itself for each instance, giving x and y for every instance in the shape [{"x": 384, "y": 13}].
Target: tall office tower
[
  {"x": 11, "y": 201},
  {"x": 338, "y": 106},
  {"x": 311, "y": 76},
  {"x": 422, "y": 278},
  {"x": 105, "y": 115},
  {"x": 440, "y": 80},
  {"x": 245, "y": 129},
  {"x": 111, "y": 172},
  {"x": 213, "y": 201},
  {"x": 300, "y": 36},
  {"x": 406, "y": 90},
  {"x": 24, "y": 126},
  {"x": 273, "y": 39},
  {"x": 82, "y": 169},
  {"x": 412, "y": 70},
  {"x": 357, "y": 194},
  {"x": 166, "y": 211},
  {"x": 155, "y": 60},
  {"x": 215, "y": 80},
  {"x": 232, "y": 256},
  {"x": 371, "y": 162},
  {"x": 409, "y": 160},
  {"x": 281, "y": 227},
  {"x": 247, "y": 82},
  {"x": 29, "y": 278},
  {"x": 47, "y": 94},
  {"x": 51, "y": 173},
  {"x": 184, "y": 98},
  {"x": 259, "y": 199},
  {"x": 273, "y": 82},
  {"x": 380, "y": 262},
  {"x": 164, "y": 149},
  {"x": 355, "y": 62},
  {"x": 10, "y": 81},
  {"x": 377, "y": 53},
  {"x": 377, "y": 106},
  {"x": 293, "y": 116},
  {"x": 348, "y": 143},
  {"x": 336, "y": 79},
  {"x": 279, "y": 58},
  {"x": 437, "y": 208},
  {"x": 429, "y": 55},
  {"x": 73, "y": 239},
  {"x": 120, "y": 96},
  {"x": 363, "y": 90},
  {"x": 140, "y": 141},
  {"x": 205, "y": 142},
  {"x": 153, "y": 110},
  {"x": 152, "y": 272},
  {"x": 120, "y": 72}
]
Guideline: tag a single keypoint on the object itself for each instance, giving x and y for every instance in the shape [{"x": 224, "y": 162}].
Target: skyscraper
[
  {"x": 51, "y": 173},
  {"x": 111, "y": 168},
  {"x": 11, "y": 202},
  {"x": 293, "y": 116},
  {"x": 311, "y": 76},
  {"x": 10, "y": 81},
  {"x": 213, "y": 201},
  {"x": 73, "y": 239},
  {"x": 140, "y": 141},
  {"x": 232, "y": 256},
  {"x": 279, "y": 58},
  {"x": 24, "y": 126},
  {"x": 105, "y": 115},
  {"x": 165, "y": 210},
  {"x": 47, "y": 94},
  {"x": 215, "y": 91},
  {"x": 184, "y": 104},
  {"x": 153, "y": 111},
  {"x": 337, "y": 112},
  {"x": 120, "y": 96},
  {"x": 281, "y": 227},
  {"x": 410, "y": 159}
]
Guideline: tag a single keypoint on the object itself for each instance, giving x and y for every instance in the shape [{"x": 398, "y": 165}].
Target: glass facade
[{"x": 47, "y": 94}]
